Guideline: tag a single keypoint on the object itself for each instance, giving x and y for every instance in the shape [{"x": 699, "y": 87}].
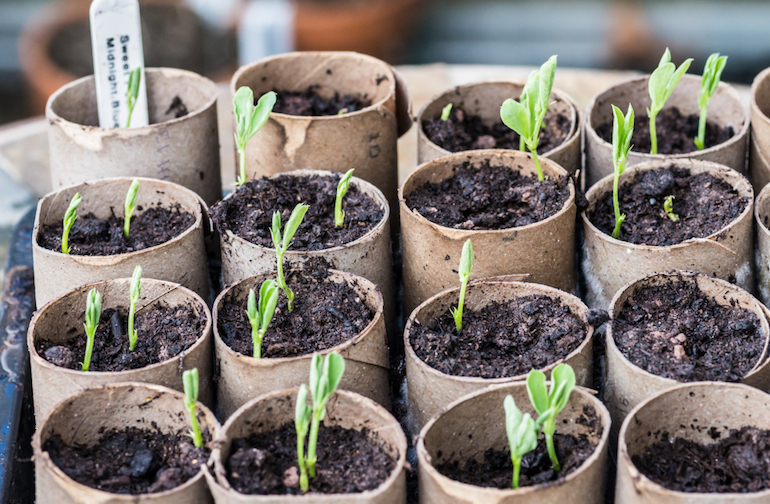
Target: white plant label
[{"x": 116, "y": 39}]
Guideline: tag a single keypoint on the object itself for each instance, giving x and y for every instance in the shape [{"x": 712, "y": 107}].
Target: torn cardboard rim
[{"x": 494, "y": 495}]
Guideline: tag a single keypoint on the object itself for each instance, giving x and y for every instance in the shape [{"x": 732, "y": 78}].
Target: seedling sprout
[
  {"x": 466, "y": 264},
  {"x": 622, "y": 130},
  {"x": 302, "y": 414},
  {"x": 446, "y": 111},
  {"x": 134, "y": 79},
  {"x": 661, "y": 84},
  {"x": 668, "y": 207},
  {"x": 282, "y": 243},
  {"x": 342, "y": 190},
  {"x": 93, "y": 313},
  {"x": 250, "y": 119},
  {"x": 69, "y": 220},
  {"x": 549, "y": 403},
  {"x": 260, "y": 318},
  {"x": 129, "y": 206},
  {"x": 712, "y": 73},
  {"x": 522, "y": 432},
  {"x": 135, "y": 294},
  {"x": 190, "y": 382}
]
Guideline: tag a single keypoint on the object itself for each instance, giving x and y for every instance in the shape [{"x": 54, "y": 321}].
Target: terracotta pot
[
  {"x": 181, "y": 259},
  {"x": 346, "y": 409},
  {"x": 759, "y": 107},
  {"x": 242, "y": 377},
  {"x": 610, "y": 263},
  {"x": 485, "y": 99},
  {"x": 476, "y": 422},
  {"x": 691, "y": 411},
  {"x": 430, "y": 390},
  {"x": 85, "y": 416},
  {"x": 725, "y": 109},
  {"x": 543, "y": 252},
  {"x": 762, "y": 214}
]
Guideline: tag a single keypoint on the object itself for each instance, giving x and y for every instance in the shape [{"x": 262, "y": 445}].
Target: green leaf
[
  {"x": 302, "y": 413},
  {"x": 251, "y": 309},
  {"x": 466, "y": 260},
  {"x": 336, "y": 368},
  {"x": 538, "y": 394},
  {"x": 295, "y": 219},
  {"x": 562, "y": 384},
  {"x": 663, "y": 81},
  {"x": 513, "y": 418},
  {"x": 136, "y": 284},
  {"x": 446, "y": 111},
  {"x": 516, "y": 116},
  {"x": 275, "y": 230},
  {"x": 134, "y": 79},
  {"x": 190, "y": 382},
  {"x": 261, "y": 113},
  {"x": 520, "y": 429},
  {"x": 316, "y": 370},
  {"x": 342, "y": 190},
  {"x": 547, "y": 73}
]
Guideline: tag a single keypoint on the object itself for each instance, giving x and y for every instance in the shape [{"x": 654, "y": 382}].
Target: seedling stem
[
  {"x": 93, "y": 313},
  {"x": 446, "y": 111},
  {"x": 282, "y": 244},
  {"x": 661, "y": 84},
  {"x": 129, "y": 206},
  {"x": 466, "y": 264},
  {"x": 250, "y": 119},
  {"x": 135, "y": 294},
  {"x": 342, "y": 190},
  {"x": 260, "y": 319},
  {"x": 549, "y": 403},
  {"x": 190, "y": 381},
  {"x": 69, "y": 220},
  {"x": 712, "y": 73},
  {"x": 622, "y": 130}
]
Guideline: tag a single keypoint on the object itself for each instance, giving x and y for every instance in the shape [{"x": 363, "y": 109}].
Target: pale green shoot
[
  {"x": 466, "y": 264},
  {"x": 69, "y": 220},
  {"x": 93, "y": 313},
  {"x": 132, "y": 93},
  {"x": 668, "y": 207},
  {"x": 549, "y": 403},
  {"x": 129, "y": 206},
  {"x": 622, "y": 130},
  {"x": 342, "y": 190},
  {"x": 325, "y": 376},
  {"x": 522, "y": 432},
  {"x": 282, "y": 243},
  {"x": 661, "y": 84},
  {"x": 446, "y": 111},
  {"x": 260, "y": 318},
  {"x": 302, "y": 414},
  {"x": 135, "y": 294},
  {"x": 249, "y": 119},
  {"x": 190, "y": 382},
  {"x": 712, "y": 73}
]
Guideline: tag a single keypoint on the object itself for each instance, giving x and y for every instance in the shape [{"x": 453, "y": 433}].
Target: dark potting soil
[
  {"x": 130, "y": 461},
  {"x": 676, "y": 331},
  {"x": 735, "y": 464},
  {"x": 249, "y": 212},
  {"x": 326, "y": 314},
  {"x": 496, "y": 469},
  {"x": 163, "y": 333},
  {"x": 676, "y": 132},
  {"x": 348, "y": 462},
  {"x": 310, "y": 103},
  {"x": 91, "y": 236},
  {"x": 704, "y": 203},
  {"x": 501, "y": 339},
  {"x": 178, "y": 108},
  {"x": 490, "y": 197},
  {"x": 462, "y": 131}
]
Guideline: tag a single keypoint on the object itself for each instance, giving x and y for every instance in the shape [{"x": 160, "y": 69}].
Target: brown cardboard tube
[
  {"x": 182, "y": 150},
  {"x": 609, "y": 264},
  {"x": 701, "y": 407},
  {"x": 759, "y": 166},
  {"x": 52, "y": 383},
  {"x": 84, "y": 417},
  {"x": 725, "y": 109},
  {"x": 485, "y": 99},
  {"x": 345, "y": 409},
  {"x": 242, "y": 377},
  {"x": 476, "y": 422},
  {"x": 762, "y": 213},
  {"x": 759, "y": 106},
  {"x": 181, "y": 259},
  {"x": 545, "y": 250}
]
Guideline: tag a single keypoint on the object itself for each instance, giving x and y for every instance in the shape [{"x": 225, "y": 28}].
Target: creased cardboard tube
[
  {"x": 761, "y": 214},
  {"x": 544, "y": 251},
  {"x": 52, "y": 383},
  {"x": 182, "y": 150},
  {"x": 759, "y": 106},
  {"x": 628, "y": 385},
  {"x": 345, "y": 409},
  {"x": 701, "y": 407},
  {"x": 759, "y": 166},
  {"x": 484, "y": 99},
  {"x": 368, "y": 256},
  {"x": 476, "y": 422},
  {"x": 725, "y": 109},
  {"x": 181, "y": 259},
  {"x": 364, "y": 139},
  {"x": 83, "y": 418},
  {"x": 609, "y": 263},
  {"x": 242, "y": 377},
  {"x": 429, "y": 390}
]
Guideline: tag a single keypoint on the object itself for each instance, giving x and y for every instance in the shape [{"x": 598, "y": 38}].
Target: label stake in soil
[
  {"x": 466, "y": 264},
  {"x": 662, "y": 82},
  {"x": 622, "y": 130},
  {"x": 522, "y": 433},
  {"x": 712, "y": 73},
  {"x": 129, "y": 206},
  {"x": 69, "y": 220},
  {"x": 282, "y": 243},
  {"x": 93, "y": 313},
  {"x": 549, "y": 403},
  {"x": 342, "y": 190},
  {"x": 260, "y": 319},
  {"x": 249, "y": 119},
  {"x": 190, "y": 381}
]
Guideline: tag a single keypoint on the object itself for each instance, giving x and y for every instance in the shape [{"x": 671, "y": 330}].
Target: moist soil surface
[
  {"x": 676, "y": 331},
  {"x": 490, "y": 197},
  {"x": 326, "y": 314},
  {"x": 735, "y": 464},
  {"x": 249, "y": 212},
  {"x": 704, "y": 204},
  {"x": 310, "y": 103},
  {"x": 347, "y": 462},
  {"x": 91, "y": 236},
  {"x": 463, "y": 131},
  {"x": 501, "y": 339},
  {"x": 676, "y": 132},
  {"x": 130, "y": 461},
  {"x": 496, "y": 469},
  {"x": 163, "y": 333}
]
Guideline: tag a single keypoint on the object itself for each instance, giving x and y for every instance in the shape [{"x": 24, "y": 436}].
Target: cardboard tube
[
  {"x": 759, "y": 166},
  {"x": 485, "y": 99},
  {"x": 84, "y": 417},
  {"x": 52, "y": 383},
  {"x": 368, "y": 256},
  {"x": 725, "y": 109},
  {"x": 609, "y": 264},
  {"x": 690, "y": 411},
  {"x": 242, "y": 377},
  {"x": 544, "y": 251},
  {"x": 429, "y": 389},
  {"x": 761, "y": 213},
  {"x": 346, "y": 409},
  {"x": 181, "y": 259},
  {"x": 184, "y": 150},
  {"x": 476, "y": 422},
  {"x": 628, "y": 385}
]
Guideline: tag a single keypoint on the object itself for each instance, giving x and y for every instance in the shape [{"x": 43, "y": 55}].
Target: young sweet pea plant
[
  {"x": 549, "y": 403},
  {"x": 342, "y": 190},
  {"x": 622, "y": 130},
  {"x": 522, "y": 432},
  {"x": 282, "y": 243},
  {"x": 69, "y": 220},
  {"x": 466, "y": 264},
  {"x": 661, "y": 84},
  {"x": 134, "y": 79},
  {"x": 260, "y": 317},
  {"x": 135, "y": 292},
  {"x": 190, "y": 382},
  {"x": 250, "y": 119},
  {"x": 712, "y": 73},
  {"x": 446, "y": 111},
  {"x": 668, "y": 207},
  {"x": 129, "y": 206},
  {"x": 93, "y": 313}
]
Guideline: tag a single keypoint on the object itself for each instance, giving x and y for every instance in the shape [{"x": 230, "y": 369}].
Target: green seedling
[
  {"x": 526, "y": 116},
  {"x": 260, "y": 318},
  {"x": 446, "y": 111},
  {"x": 250, "y": 119},
  {"x": 522, "y": 432},
  {"x": 668, "y": 207},
  {"x": 466, "y": 264},
  {"x": 129, "y": 206},
  {"x": 69, "y": 220},
  {"x": 622, "y": 130},
  {"x": 302, "y": 415},
  {"x": 342, "y": 111},
  {"x": 93, "y": 313},
  {"x": 132, "y": 93},
  {"x": 712, "y": 73},
  {"x": 342, "y": 190},
  {"x": 190, "y": 382},
  {"x": 135, "y": 294},
  {"x": 661, "y": 84},
  {"x": 549, "y": 403},
  {"x": 282, "y": 243}
]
